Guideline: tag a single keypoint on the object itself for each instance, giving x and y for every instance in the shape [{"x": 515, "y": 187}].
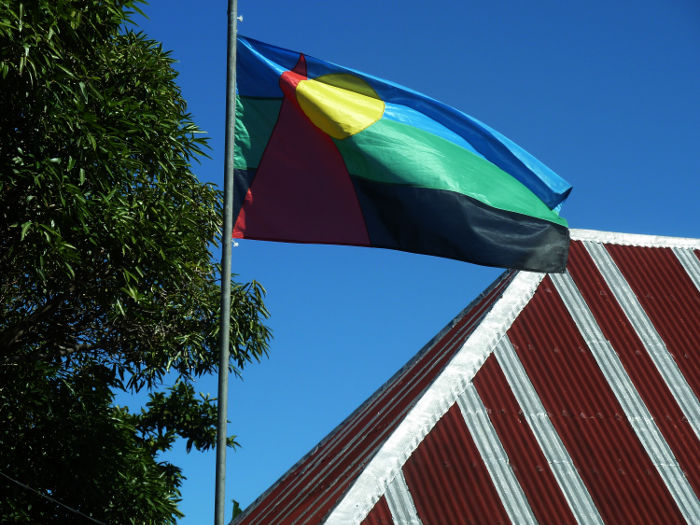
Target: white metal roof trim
[
  {"x": 563, "y": 468},
  {"x": 650, "y": 338},
  {"x": 690, "y": 263},
  {"x": 625, "y": 392},
  {"x": 634, "y": 239},
  {"x": 494, "y": 456},
  {"x": 400, "y": 502},
  {"x": 439, "y": 397}
]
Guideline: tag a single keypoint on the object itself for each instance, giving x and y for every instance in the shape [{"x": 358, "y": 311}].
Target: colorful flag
[{"x": 326, "y": 154}]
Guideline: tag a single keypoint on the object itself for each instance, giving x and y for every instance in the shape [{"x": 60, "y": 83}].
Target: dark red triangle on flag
[{"x": 302, "y": 191}]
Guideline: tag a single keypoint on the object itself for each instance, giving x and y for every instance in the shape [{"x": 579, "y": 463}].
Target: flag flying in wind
[{"x": 326, "y": 154}]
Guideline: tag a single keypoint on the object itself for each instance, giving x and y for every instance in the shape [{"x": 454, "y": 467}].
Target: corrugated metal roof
[{"x": 551, "y": 399}]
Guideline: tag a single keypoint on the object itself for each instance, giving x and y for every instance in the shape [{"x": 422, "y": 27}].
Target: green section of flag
[
  {"x": 395, "y": 153},
  {"x": 255, "y": 120}
]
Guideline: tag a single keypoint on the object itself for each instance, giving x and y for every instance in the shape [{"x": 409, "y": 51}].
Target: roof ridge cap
[{"x": 634, "y": 239}]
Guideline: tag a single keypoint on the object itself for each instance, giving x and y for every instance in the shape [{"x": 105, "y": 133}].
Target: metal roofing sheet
[
  {"x": 448, "y": 478},
  {"x": 400, "y": 502},
  {"x": 380, "y": 514},
  {"x": 670, "y": 300},
  {"x": 586, "y": 411},
  {"x": 620, "y": 477},
  {"x": 527, "y": 459},
  {"x": 648, "y": 381}
]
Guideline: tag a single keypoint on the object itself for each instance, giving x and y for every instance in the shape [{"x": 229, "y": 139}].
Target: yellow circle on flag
[{"x": 339, "y": 104}]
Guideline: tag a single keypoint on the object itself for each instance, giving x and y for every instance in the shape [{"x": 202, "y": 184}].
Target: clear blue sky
[{"x": 607, "y": 93}]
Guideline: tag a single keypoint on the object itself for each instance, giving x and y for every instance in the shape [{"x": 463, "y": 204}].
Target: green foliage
[{"x": 106, "y": 274}]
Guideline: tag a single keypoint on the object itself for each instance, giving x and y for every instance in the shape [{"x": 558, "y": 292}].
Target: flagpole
[{"x": 225, "y": 318}]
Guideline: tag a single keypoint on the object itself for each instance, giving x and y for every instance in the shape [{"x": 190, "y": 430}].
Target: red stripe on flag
[{"x": 302, "y": 191}]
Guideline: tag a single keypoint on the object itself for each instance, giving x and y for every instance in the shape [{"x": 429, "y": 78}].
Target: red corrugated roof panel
[
  {"x": 529, "y": 463},
  {"x": 619, "y": 475},
  {"x": 448, "y": 478},
  {"x": 552, "y": 399},
  {"x": 379, "y": 515},
  {"x": 637, "y": 361},
  {"x": 669, "y": 298}
]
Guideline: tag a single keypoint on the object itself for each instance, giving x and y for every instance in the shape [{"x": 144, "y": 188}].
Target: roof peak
[{"x": 634, "y": 239}]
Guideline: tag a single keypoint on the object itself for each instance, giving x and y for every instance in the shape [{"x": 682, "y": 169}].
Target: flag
[{"x": 327, "y": 154}]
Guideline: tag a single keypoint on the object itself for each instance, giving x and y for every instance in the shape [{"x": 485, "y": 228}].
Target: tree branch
[{"x": 10, "y": 336}]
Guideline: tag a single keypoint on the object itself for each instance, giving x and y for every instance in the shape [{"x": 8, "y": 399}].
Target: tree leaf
[{"x": 106, "y": 274}]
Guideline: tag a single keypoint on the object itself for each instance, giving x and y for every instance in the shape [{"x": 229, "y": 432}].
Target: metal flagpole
[{"x": 225, "y": 320}]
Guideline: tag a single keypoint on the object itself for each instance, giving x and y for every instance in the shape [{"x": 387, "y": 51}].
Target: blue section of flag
[{"x": 410, "y": 116}]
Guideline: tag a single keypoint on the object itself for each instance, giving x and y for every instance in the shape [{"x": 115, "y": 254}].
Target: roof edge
[
  {"x": 371, "y": 484},
  {"x": 634, "y": 239},
  {"x": 402, "y": 370}
]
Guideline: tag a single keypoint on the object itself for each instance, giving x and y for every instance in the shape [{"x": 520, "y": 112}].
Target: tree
[{"x": 106, "y": 276}]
